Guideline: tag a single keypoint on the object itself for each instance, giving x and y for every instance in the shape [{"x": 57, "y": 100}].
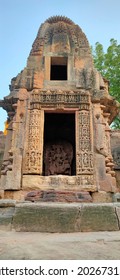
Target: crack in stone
[
  {"x": 117, "y": 218},
  {"x": 78, "y": 220}
]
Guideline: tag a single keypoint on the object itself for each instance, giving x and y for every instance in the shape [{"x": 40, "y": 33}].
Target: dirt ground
[{"x": 59, "y": 246}]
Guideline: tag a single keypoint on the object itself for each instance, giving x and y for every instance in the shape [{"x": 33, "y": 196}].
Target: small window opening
[{"x": 58, "y": 68}]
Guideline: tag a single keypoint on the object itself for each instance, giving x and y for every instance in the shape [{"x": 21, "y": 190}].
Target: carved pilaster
[
  {"x": 84, "y": 145},
  {"x": 33, "y": 159}
]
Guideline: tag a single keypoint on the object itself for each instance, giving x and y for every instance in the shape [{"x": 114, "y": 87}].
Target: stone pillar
[{"x": 33, "y": 162}]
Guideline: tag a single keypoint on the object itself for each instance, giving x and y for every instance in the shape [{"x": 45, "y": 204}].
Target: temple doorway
[{"x": 59, "y": 144}]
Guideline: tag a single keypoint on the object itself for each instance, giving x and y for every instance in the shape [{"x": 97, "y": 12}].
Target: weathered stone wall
[
  {"x": 2, "y": 147},
  {"x": 115, "y": 148}
]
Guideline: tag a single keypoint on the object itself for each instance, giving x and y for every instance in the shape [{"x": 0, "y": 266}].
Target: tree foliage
[{"x": 108, "y": 63}]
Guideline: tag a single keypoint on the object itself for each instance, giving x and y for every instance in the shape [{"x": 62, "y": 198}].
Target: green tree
[{"x": 108, "y": 63}]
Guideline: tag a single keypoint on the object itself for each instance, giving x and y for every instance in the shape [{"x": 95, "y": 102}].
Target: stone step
[{"x": 60, "y": 217}]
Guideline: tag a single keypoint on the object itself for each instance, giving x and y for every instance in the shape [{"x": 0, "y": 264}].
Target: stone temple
[{"x": 59, "y": 110}]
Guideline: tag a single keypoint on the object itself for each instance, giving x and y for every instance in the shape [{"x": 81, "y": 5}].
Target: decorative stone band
[{"x": 68, "y": 98}]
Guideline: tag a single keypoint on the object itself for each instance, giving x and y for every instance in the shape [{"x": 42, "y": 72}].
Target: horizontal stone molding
[{"x": 59, "y": 182}]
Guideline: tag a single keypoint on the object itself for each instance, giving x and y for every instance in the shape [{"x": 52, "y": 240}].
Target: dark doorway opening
[
  {"x": 58, "y": 68},
  {"x": 59, "y": 144}
]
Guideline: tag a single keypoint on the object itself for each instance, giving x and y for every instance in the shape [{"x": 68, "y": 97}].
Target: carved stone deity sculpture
[{"x": 58, "y": 158}]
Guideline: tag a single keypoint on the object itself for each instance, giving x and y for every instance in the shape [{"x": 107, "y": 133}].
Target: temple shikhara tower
[{"x": 59, "y": 111}]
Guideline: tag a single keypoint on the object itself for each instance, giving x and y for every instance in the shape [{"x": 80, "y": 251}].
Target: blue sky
[{"x": 20, "y": 21}]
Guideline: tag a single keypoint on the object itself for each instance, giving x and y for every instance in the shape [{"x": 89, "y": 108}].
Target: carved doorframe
[{"x": 78, "y": 101}]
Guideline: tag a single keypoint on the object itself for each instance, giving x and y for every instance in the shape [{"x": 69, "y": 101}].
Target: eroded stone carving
[
  {"x": 58, "y": 196},
  {"x": 85, "y": 162}
]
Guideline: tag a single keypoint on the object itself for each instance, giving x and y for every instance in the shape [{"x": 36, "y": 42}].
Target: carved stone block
[{"x": 58, "y": 158}]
